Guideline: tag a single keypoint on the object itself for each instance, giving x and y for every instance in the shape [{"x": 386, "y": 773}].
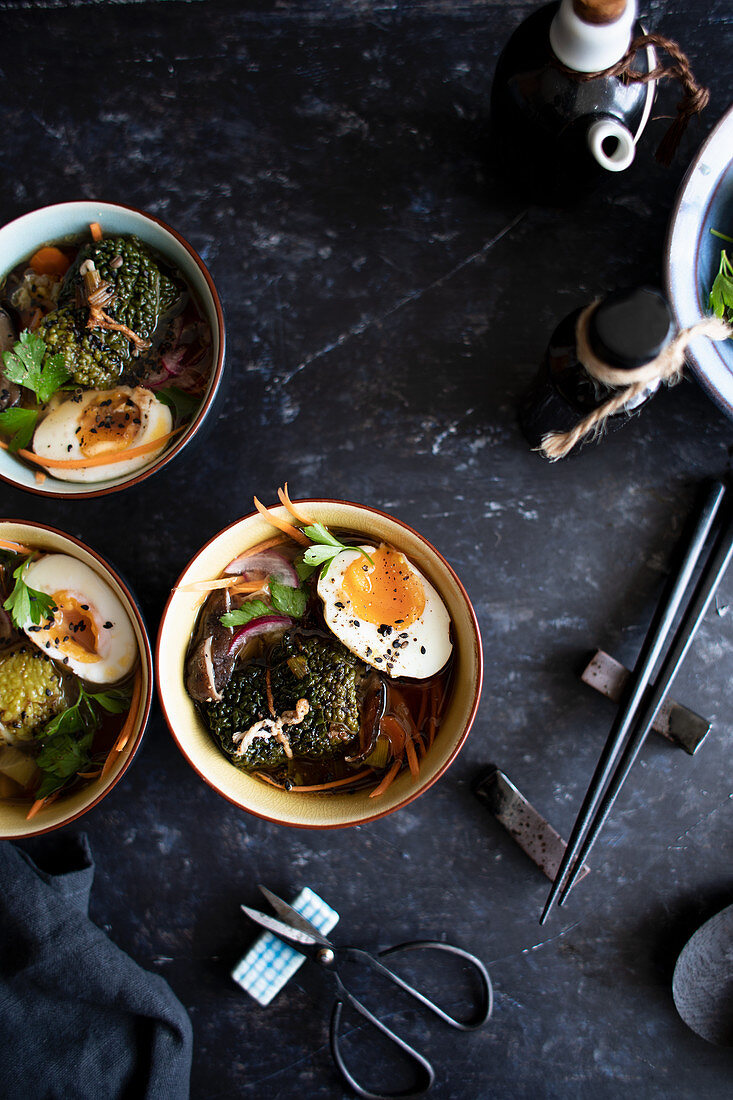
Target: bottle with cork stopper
[{"x": 561, "y": 116}]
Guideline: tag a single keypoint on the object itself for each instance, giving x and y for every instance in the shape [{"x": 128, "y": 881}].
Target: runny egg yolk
[
  {"x": 388, "y": 592},
  {"x": 73, "y": 631},
  {"x": 109, "y": 423}
]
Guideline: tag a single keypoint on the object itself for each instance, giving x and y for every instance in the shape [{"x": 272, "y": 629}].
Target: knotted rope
[
  {"x": 667, "y": 367},
  {"x": 694, "y": 99}
]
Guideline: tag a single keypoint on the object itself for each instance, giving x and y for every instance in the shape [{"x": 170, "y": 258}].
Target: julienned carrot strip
[
  {"x": 222, "y": 582},
  {"x": 318, "y": 786},
  {"x": 124, "y": 735},
  {"x": 16, "y": 547},
  {"x": 40, "y": 803},
  {"x": 96, "y": 231},
  {"x": 387, "y": 781},
  {"x": 97, "y": 460},
  {"x": 395, "y": 731},
  {"x": 49, "y": 261},
  {"x": 35, "y": 318},
  {"x": 412, "y": 758},
  {"x": 333, "y": 783},
  {"x": 276, "y": 540},
  {"x": 282, "y": 524},
  {"x": 287, "y": 502},
  {"x": 261, "y": 775}
]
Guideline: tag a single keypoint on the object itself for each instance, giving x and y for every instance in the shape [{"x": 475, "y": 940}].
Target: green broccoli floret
[
  {"x": 97, "y": 357},
  {"x": 317, "y": 669},
  {"x": 31, "y": 693},
  {"x": 142, "y": 292}
]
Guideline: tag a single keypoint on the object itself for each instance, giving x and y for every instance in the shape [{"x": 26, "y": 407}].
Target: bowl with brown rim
[
  {"x": 68, "y": 807},
  {"x": 322, "y": 810},
  {"x": 62, "y": 222}
]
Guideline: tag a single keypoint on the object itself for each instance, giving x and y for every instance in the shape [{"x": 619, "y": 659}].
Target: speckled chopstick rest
[{"x": 270, "y": 963}]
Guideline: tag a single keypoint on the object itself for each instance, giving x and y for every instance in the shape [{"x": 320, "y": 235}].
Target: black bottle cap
[{"x": 630, "y": 327}]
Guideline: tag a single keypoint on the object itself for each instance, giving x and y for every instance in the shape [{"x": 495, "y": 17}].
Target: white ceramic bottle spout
[{"x": 611, "y": 143}]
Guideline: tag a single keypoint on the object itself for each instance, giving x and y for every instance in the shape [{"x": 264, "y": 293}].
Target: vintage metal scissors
[{"x": 290, "y": 926}]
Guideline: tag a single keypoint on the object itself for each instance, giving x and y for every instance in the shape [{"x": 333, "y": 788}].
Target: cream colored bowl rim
[
  {"x": 146, "y": 657},
  {"x": 412, "y": 795}
]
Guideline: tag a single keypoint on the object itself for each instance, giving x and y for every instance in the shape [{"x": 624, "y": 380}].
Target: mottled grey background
[{"x": 386, "y": 303}]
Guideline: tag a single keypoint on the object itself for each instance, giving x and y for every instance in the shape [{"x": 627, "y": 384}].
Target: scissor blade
[
  {"x": 293, "y": 918},
  {"x": 272, "y": 924}
]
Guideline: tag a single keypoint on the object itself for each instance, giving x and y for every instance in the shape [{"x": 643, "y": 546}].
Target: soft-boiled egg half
[
  {"x": 91, "y": 632},
  {"x": 100, "y": 422},
  {"x": 387, "y": 613}
]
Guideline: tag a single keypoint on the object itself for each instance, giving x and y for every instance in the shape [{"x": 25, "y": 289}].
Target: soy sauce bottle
[
  {"x": 555, "y": 135},
  {"x": 627, "y": 330}
]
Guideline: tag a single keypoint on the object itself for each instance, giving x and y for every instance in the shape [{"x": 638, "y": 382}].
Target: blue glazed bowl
[{"x": 704, "y": 202}]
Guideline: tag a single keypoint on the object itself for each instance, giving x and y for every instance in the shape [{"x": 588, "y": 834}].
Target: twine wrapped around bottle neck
[
  {"x": 694, "y": 99},
  {"x": 667, "y": 367}
]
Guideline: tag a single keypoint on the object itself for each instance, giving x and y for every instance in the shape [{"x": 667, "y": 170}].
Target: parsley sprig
[
  {"x": 326, "y": 548},
  {"x": 721, "y": 292},
  {"x": 27, "y": 365},
  {"x": 285, "y": 601},
  {"x": 26, "y": 603},
  {"x": 67, "y": 739}
]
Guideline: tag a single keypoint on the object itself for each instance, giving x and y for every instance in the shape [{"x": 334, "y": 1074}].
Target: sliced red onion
[
  {"x": 264, "y": 625},
  {"x": 258, "y": 567}
]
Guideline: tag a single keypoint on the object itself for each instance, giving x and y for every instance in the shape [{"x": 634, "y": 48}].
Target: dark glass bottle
[
  {"x": 553, "y": 135},
  {"x": 628, "y": 329}
]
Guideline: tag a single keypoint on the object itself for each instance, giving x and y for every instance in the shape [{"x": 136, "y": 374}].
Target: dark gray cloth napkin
[{"x": 79, "y": 1020}]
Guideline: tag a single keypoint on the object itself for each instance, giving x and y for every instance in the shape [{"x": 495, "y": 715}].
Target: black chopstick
[
  {"x": 651, "y": 650},
  {"x": 713, "y": 572}
]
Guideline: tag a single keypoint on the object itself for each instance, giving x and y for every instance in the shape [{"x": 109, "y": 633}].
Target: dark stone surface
[{"x": 386, "y": 303}]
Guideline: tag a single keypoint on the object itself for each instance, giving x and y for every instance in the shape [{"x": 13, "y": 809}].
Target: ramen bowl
[
  {"x": 14, "y": 823},
  {"x": 321, "y": 810},
  {"x": 19, "y": 239},
  {"x": 704, "y": 203}
]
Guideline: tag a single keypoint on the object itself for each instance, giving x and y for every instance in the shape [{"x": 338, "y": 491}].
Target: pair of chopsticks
[{"x": 643, "y": 699}]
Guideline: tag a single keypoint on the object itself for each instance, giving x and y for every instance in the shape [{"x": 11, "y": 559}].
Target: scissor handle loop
[
  {"x": 425, "y": 1072},
  {"x": 486, "y": 1006}
]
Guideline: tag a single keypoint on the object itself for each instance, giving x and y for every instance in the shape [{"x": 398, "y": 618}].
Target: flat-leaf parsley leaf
[
  {"x": 26, "y": 603},
  {"x": 25, "y": 366}
]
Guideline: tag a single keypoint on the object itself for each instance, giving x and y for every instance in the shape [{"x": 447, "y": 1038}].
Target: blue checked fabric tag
[{"x": 270, "y": 963}]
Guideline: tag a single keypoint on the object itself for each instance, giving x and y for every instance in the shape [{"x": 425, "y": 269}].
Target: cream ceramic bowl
[
  {"x": 13, "y": 824},
  {"x": 315, "y": 811},
  {"x": 20, "y": 239}
]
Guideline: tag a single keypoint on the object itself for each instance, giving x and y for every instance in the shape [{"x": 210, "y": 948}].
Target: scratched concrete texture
[{"x": 386, "y": 302}]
